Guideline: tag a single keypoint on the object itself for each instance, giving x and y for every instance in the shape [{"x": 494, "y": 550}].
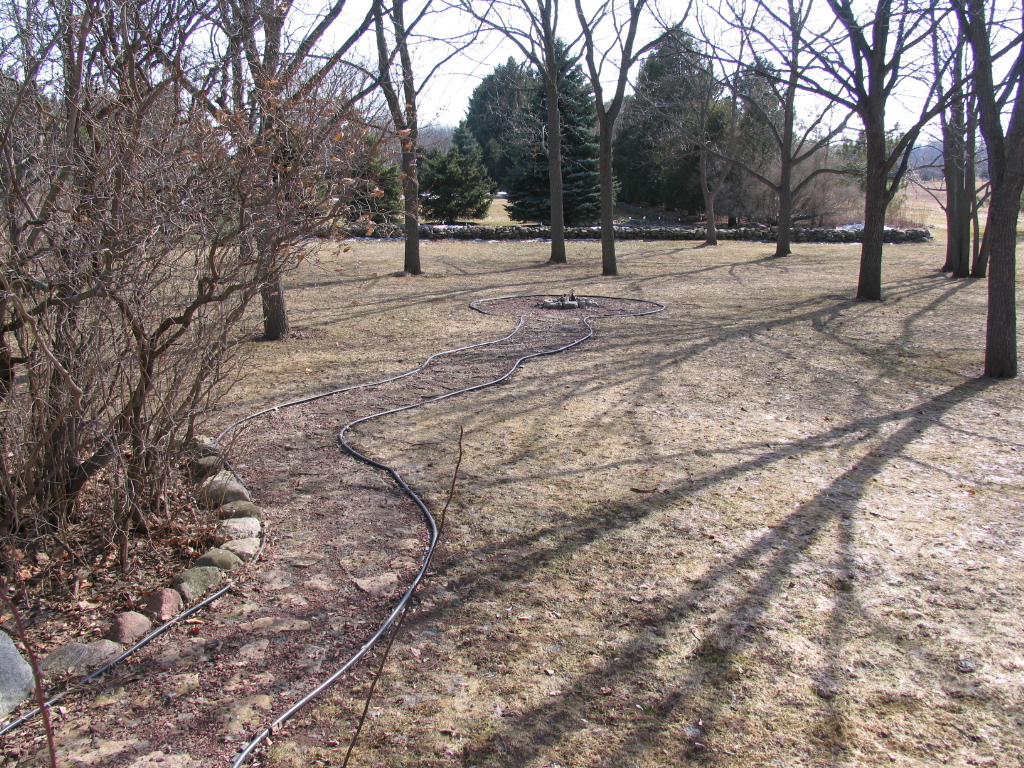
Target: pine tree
[
  {"x": 654, "y": 164},
  {"x": 455, "y": 184},
  {"x": 529, "y": 191},
  {"x": 495, "y": 116}
]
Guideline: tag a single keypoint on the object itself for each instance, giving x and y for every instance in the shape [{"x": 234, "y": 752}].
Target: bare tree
[
  {"x": 128, "y": 258},
  {"x": 259, "y": 62},
  {"x": 780, "y": 59},
  {"x": 618, "y": 21},
  {"x": 402, "y": 99},
  {"x": 532, "y": 26},
  {"x": 705, "y": 113},
  {"x": 861, "y": 61},
  {"x": 959, "y": 128},
  {"x": 1005, "y": 143}
]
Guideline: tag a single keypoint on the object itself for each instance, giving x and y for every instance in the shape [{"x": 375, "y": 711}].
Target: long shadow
[{"x": 773, "y": 554}]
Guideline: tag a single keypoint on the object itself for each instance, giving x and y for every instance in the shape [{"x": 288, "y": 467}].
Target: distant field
[{"x": 922, "y": 205}]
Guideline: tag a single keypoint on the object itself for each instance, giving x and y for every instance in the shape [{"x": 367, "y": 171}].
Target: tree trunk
[
  {"x": 609, "y": 268},
  {"x": 709, "y": 200},
  {"x": 958, "y": 206},
  {"x": 785, "y": 191},
  {"x": 979, "y": 267},
  {"x": 876, "y": 201},
  {"x": 1006, "y": 173},
  {"x": 411, "y": 189},
  {"x": 275, "y": 313},
  {"x": 555, "y": 164},
  {"x": 1001, "y": 232}
]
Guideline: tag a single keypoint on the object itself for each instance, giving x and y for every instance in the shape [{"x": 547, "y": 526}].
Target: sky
[
  {"x": 445, "y": 97},
  {"x": 446, "y": 94}
]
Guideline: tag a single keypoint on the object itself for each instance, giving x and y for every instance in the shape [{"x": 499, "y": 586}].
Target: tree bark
[
  {"x": 709, "y": 200},
  {"x": 959, "y": 189},
  {"x": 554, "y": 142},
  {"x": 609, "y": 267},
  {"x": 876, "y": 201},
  {"x": 979, "y": 267},
  {"x": 275, "y": 313},
  {"x": 411, "y": 189},
  {"x": 783, "y": 239},
  {"x": 1001, "y": 333},
  {"x": 402, "y": 106},
  {"x": 1006, "y": 174}
]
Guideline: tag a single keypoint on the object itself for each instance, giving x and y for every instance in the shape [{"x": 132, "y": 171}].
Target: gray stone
[
  {"x": 384, "y": 584},
  {"x": 205, "y": 446},
  {"x": 274, "y": 624},
  {"x": 966, "y": 665},
  {"x": 220, "y": 558},
  {"x": 205, "y": 466},
  {"x": 159, "y": 759},
  {"x": 236, "y": 528},
  {"x": 79, "y": 656},
  {"x": 193, "y": 583},
  {"x": 237, "y": 717},
  {"x": 164, "y": 604},
  {"x": 92, "y": 750},
  {"x": 240, "y": 509},
  {"x": 129, "y": 627},
  {"x": 15, "y": 676},
  {"x": 246, "y": 549},
  {"x": 222, "y": 488}
]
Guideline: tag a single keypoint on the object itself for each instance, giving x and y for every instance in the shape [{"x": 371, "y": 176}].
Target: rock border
[
  {"x": 756, "y": 233},
  {"x": 239, "y": 536}
]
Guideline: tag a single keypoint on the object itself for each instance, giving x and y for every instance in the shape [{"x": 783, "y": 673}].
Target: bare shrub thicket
[{"x": 135, "y": 227}]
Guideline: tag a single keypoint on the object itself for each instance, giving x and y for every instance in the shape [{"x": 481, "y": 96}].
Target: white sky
[{"x": 446, "y": 96}]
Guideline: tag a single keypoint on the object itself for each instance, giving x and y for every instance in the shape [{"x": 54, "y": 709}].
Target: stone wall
[{"x": 755, "y": 233}]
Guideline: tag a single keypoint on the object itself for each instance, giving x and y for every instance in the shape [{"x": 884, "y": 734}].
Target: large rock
[
  {"x": 79, "y": 657},
  {"x": 193, "y": 583},
  {"x": 15, "y": 676},
  {"x": 204, "y": 466},
  {"x": 240, "y": 509},
  {"x": 164, "y": 604},
  {"x": 129, "y": 627},
  {"x": 236, "y": 528},
  {"x": 384, "y": 584},
  {"x": 220, "y": 558},
  {"x": 246, "y": 549},
  {"x": 221, "y": 489}
]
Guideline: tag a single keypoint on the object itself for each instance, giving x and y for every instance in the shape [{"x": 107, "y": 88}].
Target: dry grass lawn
[{"x": 770, "y": 526}]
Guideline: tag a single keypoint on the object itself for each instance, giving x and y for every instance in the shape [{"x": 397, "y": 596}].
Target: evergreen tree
[
  {"x": 529, "y": 190},
  {"x": 654, "y": 164},
  {"x": 495, "y": 117},
  {"x": 455, "y": 184}
]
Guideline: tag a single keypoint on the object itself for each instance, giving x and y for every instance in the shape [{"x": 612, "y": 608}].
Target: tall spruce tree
[
  {"x": 455, "y": 184},
  {"x": 529, "y": 191},
  {"x": 495, "y": 117},
  {"x": 654, "y": 164}
]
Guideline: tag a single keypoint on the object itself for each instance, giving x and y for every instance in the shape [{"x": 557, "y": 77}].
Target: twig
[
  {"x": 398, "y": 624},
  {"x": 451, "y": 490},
  {"x": 373, "y": 687},
  {"x": 37, "y": 677}
]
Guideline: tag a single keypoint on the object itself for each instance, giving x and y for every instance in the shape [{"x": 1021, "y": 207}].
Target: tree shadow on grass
[{"x": 528, "y": 735}]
